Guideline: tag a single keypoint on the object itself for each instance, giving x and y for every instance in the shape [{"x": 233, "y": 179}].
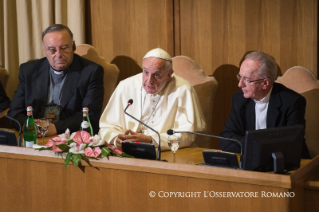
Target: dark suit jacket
[
  {"x": 285, "y": 108},
  {"x": 82, "y": 87}
]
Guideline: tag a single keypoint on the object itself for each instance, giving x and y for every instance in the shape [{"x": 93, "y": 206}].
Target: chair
[
  {"x": 299, "y": 79},
  {"x": 303, "y": 81},
  {"x": 205, "y": 88},
  {"x": 4, "y": 76},
  {"x": 111, "y": 72}
]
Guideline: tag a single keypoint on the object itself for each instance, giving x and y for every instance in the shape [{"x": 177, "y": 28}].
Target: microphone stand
[
  {"x": 171, "y": 132},
  {"x": 19, "y": 138},
  {"x": 130, "y": 102}
]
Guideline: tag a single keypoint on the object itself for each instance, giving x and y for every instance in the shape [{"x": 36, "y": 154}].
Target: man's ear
[
  {"x": 73, "y": 46},
  {"x": 266, "y": 83},
  {"x": 169, "y": 75}
]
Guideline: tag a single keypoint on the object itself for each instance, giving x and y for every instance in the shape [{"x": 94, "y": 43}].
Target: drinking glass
[
  {"x": 43, "y": 127},
  {"x": 173, "y": 143}
]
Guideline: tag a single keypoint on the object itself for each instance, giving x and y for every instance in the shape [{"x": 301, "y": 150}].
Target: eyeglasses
[
  {"x": 63, "y": 49},
  {"x": 247, "y": 81}
]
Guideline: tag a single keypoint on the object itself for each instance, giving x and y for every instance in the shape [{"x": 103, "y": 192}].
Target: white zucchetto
[{"x": 158, "y": 53}]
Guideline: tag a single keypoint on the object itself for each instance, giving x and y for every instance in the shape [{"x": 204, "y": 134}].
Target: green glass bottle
[
  {"x": 86, "y": 124},
  {"x": 30, "y": 130}
]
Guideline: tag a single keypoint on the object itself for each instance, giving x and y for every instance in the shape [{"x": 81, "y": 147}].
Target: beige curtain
[{"x": 21, "y": 26}]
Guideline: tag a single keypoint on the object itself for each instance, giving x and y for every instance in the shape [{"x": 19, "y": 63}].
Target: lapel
[
  {"x": 40, "y": 86},
  {"x": 274, "y": 104},
  {"x": 248, "y": 113},
  {"x": 71, "y": 81}
]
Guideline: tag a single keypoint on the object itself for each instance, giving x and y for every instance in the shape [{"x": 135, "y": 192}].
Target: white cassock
[{"x": 176, "y": 107}]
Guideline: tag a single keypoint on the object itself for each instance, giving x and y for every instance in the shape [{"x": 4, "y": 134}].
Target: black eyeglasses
[
  {"x": 247, "y": 81},
  {"x": 63, "y": 49}
]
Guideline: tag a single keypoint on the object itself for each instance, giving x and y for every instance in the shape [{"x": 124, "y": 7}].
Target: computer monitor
[{"x": 273, "y": 149}]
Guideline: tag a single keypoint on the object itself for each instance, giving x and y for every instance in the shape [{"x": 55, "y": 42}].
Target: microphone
[
  {"x": 171, "y": 132},
  {"x": 19, "y": 138},
  {"x": 129, "y": 103}
]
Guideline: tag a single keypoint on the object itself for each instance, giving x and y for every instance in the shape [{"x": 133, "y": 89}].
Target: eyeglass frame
[
  {"x": 246, "y": 81},
  {"x": 63, "y": 49}
]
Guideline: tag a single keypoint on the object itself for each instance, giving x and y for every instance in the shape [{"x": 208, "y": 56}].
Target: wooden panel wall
[
  {"x": 124, "y": 31},
  {"x": 215, "y": 33}
]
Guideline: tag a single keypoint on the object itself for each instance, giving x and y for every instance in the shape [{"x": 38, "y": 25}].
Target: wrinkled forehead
[
  {"x": 57, "y": 37},
  {"x": 155, "y": 64},
  {"x": 249, "y": 68}
]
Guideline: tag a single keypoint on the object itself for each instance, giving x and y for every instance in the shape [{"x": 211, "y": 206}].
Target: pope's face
[
  {"x": 155, "y": 74},
  {"x": 58, "y": 49}
]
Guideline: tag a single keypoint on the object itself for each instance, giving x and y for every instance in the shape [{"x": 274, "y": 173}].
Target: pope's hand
[{"x": 130, "y": 135}]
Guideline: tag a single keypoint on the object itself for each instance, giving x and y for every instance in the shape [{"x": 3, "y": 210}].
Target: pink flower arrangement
[{"x": 81, "y": 145}]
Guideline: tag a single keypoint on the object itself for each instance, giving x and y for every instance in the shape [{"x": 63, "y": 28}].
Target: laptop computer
[
  {"x": 8, "y": 138},
  {"x": 139, "y": 150}
]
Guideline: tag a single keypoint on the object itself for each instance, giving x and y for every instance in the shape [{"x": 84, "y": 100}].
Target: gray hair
[
  {"x": 56, "y": 27},
  {"x": 268, "y": 68}
]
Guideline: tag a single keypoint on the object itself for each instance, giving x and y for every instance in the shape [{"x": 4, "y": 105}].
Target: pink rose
[
  {"x": 82, "y": 137},
  {"x": 93, "y": 153}
]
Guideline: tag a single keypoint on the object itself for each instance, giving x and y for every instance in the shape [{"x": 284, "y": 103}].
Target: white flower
[
  {"x": 77, "y": 148},
  {"x": 96, "y": 141},
  {"x": 66, "y": 135}
]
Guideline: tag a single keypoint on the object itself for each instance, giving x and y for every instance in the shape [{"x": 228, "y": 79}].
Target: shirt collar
[{"x": 58, "y": 72}]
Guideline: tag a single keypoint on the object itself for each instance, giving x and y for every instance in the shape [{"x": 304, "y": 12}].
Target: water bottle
[
  {"x": 86, "y": 124},
  {"x": 30, "y": 130}
]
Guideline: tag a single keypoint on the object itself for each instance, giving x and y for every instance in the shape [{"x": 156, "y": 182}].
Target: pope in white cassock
[{"x": 162, "y": 100}]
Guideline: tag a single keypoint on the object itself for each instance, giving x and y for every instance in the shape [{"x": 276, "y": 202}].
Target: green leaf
[
  {"x": 76, "y": 159},
  {"x": 44, "y": 148},
  {"x": 63, "y": 147},
  {"x": 84, "y": 157},
  {"x": 105, "y": 152},
  {"x": 67, "y": 159},
  {"x": 127, "y": 155}
]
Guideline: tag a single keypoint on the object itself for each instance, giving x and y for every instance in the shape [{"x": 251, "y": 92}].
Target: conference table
[{"x": 32, "y": 180}]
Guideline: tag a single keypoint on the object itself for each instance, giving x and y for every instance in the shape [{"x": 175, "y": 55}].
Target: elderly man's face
[
  {"x": 155, "y": 74},
  {"x": 248, "y": 72},
  {"x": 58, "y": 49}
]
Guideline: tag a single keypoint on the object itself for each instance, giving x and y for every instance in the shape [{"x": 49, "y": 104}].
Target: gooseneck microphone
[
  {"x": 171, "y": 132},
  {"x": 19, "y": 138},
  {"x": 129, "y": 103}
]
